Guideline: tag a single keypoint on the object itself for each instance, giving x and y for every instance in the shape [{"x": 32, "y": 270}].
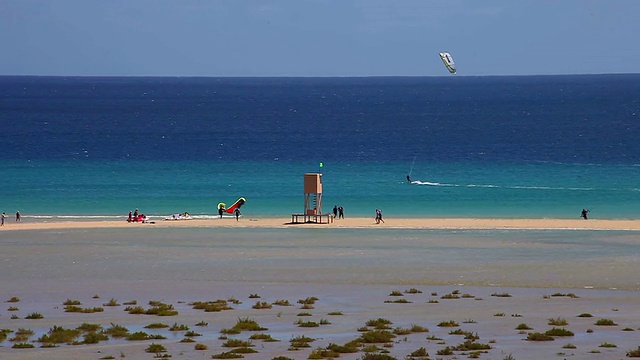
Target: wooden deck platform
[{"x": 306, "y": 218}]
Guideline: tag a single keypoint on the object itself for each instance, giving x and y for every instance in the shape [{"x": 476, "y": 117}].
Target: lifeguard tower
[{"x": 312, "y": 201}]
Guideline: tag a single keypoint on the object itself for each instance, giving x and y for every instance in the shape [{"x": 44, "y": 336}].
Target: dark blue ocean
[{"x": 526, "y": 146}]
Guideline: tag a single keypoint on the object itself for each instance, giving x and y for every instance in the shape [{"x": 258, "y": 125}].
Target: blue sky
[{"x": 317, "y": 37}]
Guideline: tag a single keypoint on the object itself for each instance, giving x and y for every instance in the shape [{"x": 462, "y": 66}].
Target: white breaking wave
[{"x": 523, "y": 187}]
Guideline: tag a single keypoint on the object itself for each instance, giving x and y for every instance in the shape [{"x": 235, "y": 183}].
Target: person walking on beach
[
  {"x": 340, "y": 212},
  {"x": 130, "y": 218},
  {"x": 379, "y": 216},
  {"x": 18, "y": 216},
  {"x": 335, "y": 211},
  {"x": 237, "y": 212},
  {"x": 584, "y": 214},
  {"x": 3, "y": 217}
]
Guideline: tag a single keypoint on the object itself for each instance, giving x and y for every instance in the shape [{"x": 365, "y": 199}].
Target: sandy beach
[
  {"x": 495, "y": 289},
  {"x": 353, "y": 223}
]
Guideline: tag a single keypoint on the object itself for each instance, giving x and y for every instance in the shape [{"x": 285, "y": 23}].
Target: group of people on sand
[
  {"x": 136, "y": 216},
  {"x": 338, "y": 212},
  {"x": 379, "y": 216},
  {"x": 4, "y": 216}
]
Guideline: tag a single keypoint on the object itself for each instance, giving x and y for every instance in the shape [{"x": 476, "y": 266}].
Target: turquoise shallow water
[{"x": 275, "y": 188}]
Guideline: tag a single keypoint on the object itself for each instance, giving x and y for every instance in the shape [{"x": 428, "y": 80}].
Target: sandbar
[{"x": 348, "y": 223}]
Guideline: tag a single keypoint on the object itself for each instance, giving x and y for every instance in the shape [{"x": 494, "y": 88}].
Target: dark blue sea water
[{"x": 528, "y": 146}]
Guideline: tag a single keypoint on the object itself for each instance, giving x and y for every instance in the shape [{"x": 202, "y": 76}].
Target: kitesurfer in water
[{"x": 409, "y": 178}]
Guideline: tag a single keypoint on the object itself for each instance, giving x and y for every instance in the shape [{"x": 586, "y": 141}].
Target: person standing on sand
[
  {"x": 584, "y": 213},
  {"x": 3, "y": 217},
  {"x": 335, "y": 211},
  {"x": 18, "y": 216},
  {"x": 340, "y": 212},
  {"x": 237, "y": 212}
]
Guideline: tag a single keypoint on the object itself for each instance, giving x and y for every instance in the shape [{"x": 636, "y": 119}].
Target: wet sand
[{"x": 362, "y": 276}]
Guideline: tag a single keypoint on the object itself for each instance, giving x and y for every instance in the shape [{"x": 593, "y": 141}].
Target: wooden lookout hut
[{"x": 312, "y": 201}]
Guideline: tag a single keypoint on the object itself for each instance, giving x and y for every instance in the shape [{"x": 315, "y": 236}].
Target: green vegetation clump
[
  {"x": 130, "y": 303},
  {"x": 156, "y": 326},
  {"x": 559, "y": 332},
  {"x": 263, "y": 337},
  {"x": 379, "y": 323},
  {"x": 308, "y": 301},
  {"x": 201, "y": 347},
  {"x": 634, "y": 353},
  {"x": 94, "y": 338},
  {"x": 155, "y": 348},
  {"x": 605, "y": 322},
  {"x": 176, "y": 327},
  {"x": 304, "y": 314},
  {"x": 141, "y": 335},
  {"x": 320, "y": 353},
  {"x": 471, "y": 345},
  {"x": 112, "y": 302},
  {"x": 13, "y": 308},
  {"x": 585, "y": 315},
  {"x": 569, "y": 346},
  {"x": 117, "y": 331},
  {"x": 299, "y": 342},
  {"x": 211, "y": 306},
  {"x": 447, "y": 351},
  {"x": 501, "y": 294},
  {"x": 523, "y": 327},
  {"x": 449, "y": 323},
  {"x": 13, "y": 300},
  {"x": 306, "y": 324},
  {"x": 254, "y": 296},
  {"x": 376, "y": 336},
  {"x": 59, "y": 335},
  {"x": 348, "y": 348},
  {"x": 450, "y": 296},
  {"x": 282, "y": 303},
  {"x": 413, "y": 291},
  {"x": 607, "y": 345},
  {"x": 262, "y": 305},
  {"x": 401, "y": 331},
  {"x": 4, "y": 333},
  {"x": 86, "y": 327},
  {"x": 192, "y": 333},
  {"x": 418, "y": 329},
  {"x": 202, "y": 323},
  {"x": 71, "y": 302},
  {"x": 335, "y": 313},
  {"x": 237, "y": 343},
  {"x": 244, "y": 324},
  {"x": 396, "y": 293},
  {"x": 227, "y": 355},
  {"x": 558, "y": 322},
  {"x": 398, "y": 301},
  {"x": 536, "y": 336},
  {"x": 77, "y": 309},
  {"x": 421, "y": 352},
  {"x": 23, "y": 346},
  {"x": 34, "y": 315}
]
